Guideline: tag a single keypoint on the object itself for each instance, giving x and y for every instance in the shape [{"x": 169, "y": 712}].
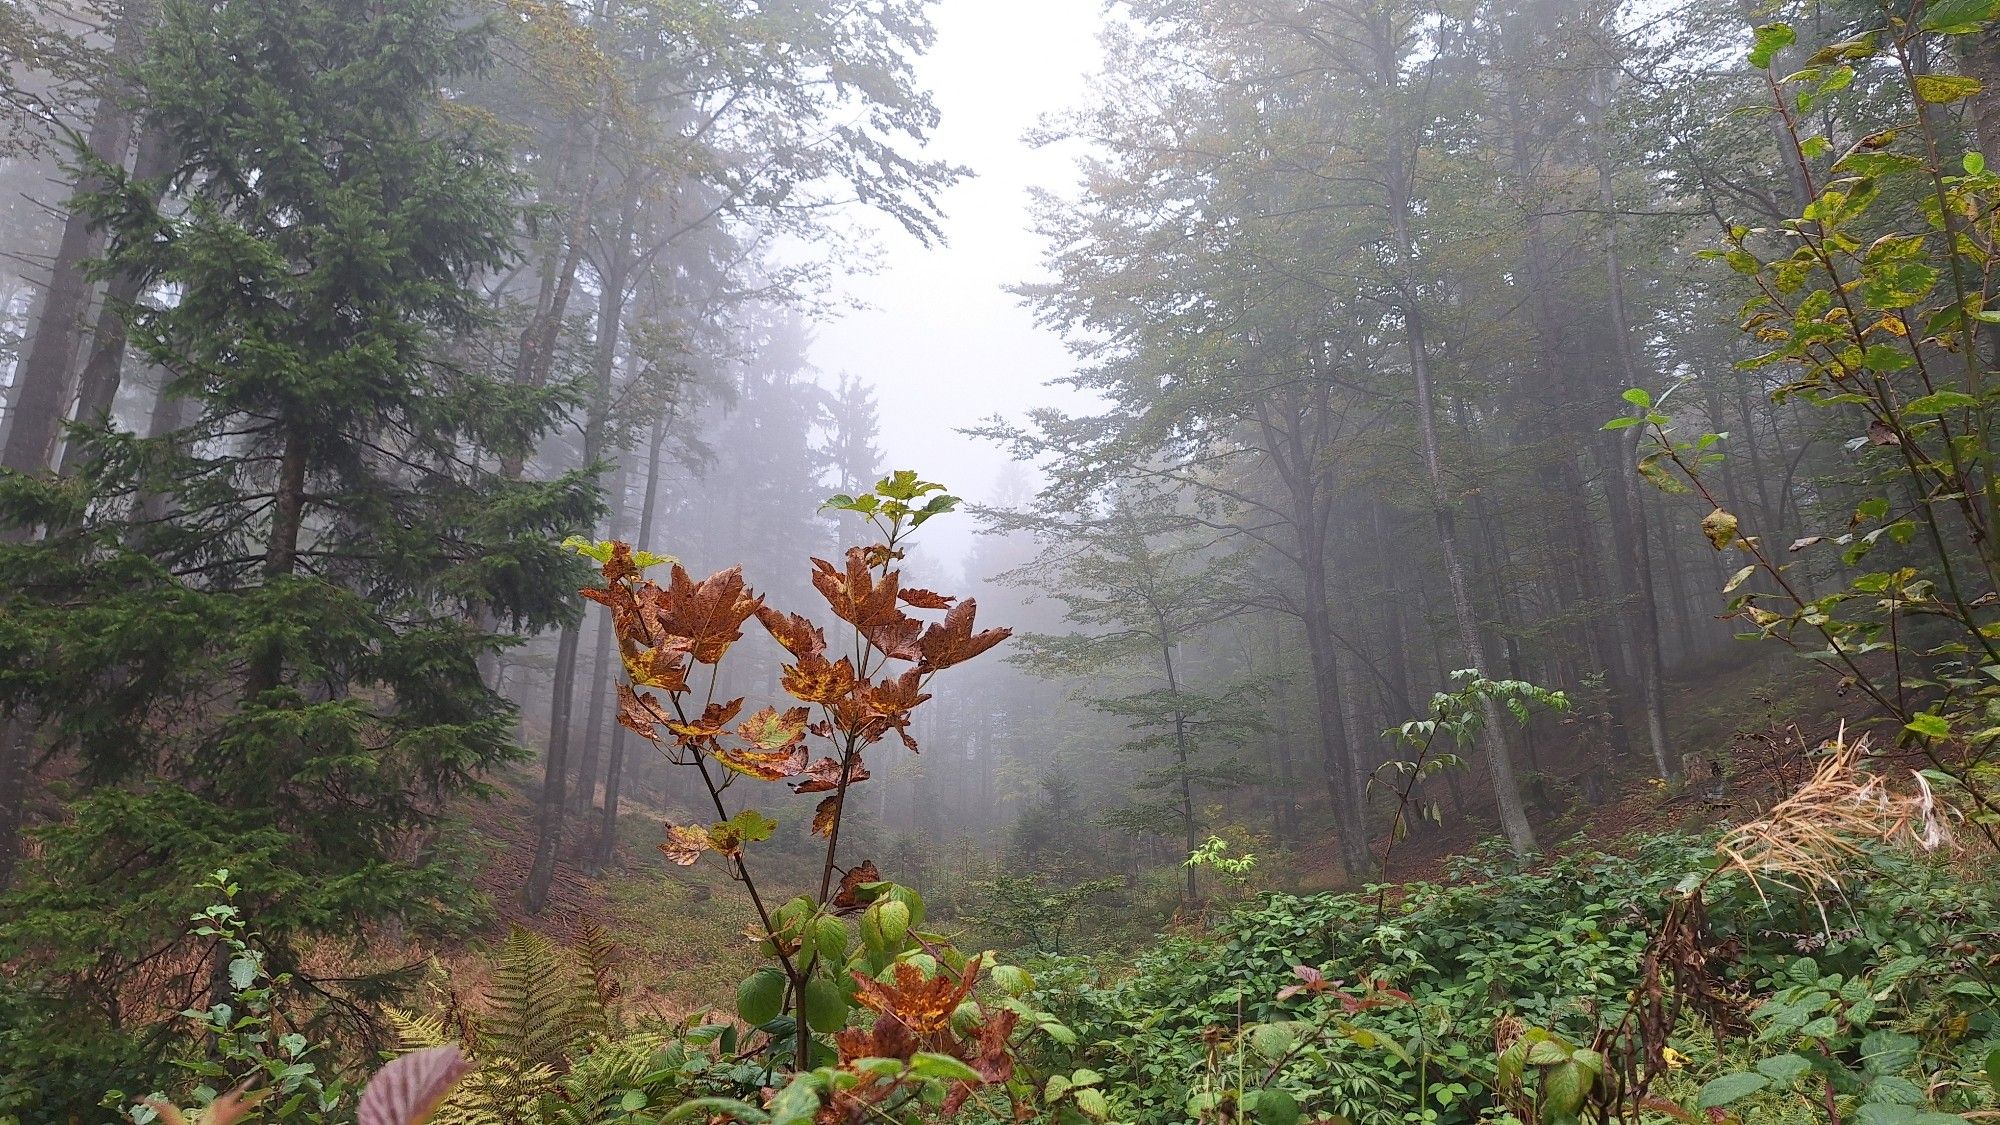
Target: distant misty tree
[{"x": 853, "y": 426}]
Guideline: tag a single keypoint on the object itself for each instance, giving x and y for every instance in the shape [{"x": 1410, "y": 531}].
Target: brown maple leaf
[
  {"x": 923, "y": 1003},
  {"x": 824, "y": 776},
  {"x": 890, "y": 702},
  {"x": 620, "y": 566},
  {"x": 854, "y": 595},
  {"x": 637, "y": 714},
  {"x": 952, "y": 640},
  {"x": 851, "y": 880},
  {"x": 799, "y": 636},
  {"x": 765, "y": 765},
  {"x": 897, "y": 640},
  {"x": 769, "y": 730},
  {"x": 684, "y": 844},
  {"x": 814, "y": 680},
  {"x": 926, "y": 599},
  {"x": 824, "y": 816},
  {"x": 709, "y": 613},
  {"x": 888, "y": 1039},
  {"x": 715, "y": 718},
  {"x": 662, "y": 666}
]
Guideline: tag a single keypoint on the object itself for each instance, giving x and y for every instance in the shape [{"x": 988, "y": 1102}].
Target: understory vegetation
[{"x": 1505, "y": 627}]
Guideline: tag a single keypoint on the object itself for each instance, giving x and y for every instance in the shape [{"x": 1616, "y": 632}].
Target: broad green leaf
[
  {"x": 1767, "y": 41},
  {"x": 1937, "y": 403},
  {"x": 1957, "y": 13},
  {"x": 942, "y": 1068},
  {"x": 1729, "y": 1088},
  {"x": 1784, "y": 1069},
  {"x": 1944, "y": 89},
  {"x": 1930, "y": 725}
]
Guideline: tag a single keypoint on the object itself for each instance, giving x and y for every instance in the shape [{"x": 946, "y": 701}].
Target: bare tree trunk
[
  {"x": 16, "y": 747},
  {"x": 1492, "y": 733},
  {"x": 103, "y": 371},
  {"x": 1626, "y": 505},
  {"x": 601, "y": 670},
  {"x": 42, "y": 379}
]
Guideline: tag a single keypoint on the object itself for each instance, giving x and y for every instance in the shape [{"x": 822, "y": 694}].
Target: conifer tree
[{"x": 255, "y": 638}]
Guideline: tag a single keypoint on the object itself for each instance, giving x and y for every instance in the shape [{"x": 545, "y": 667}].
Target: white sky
[{"x": 942, "y": 340}]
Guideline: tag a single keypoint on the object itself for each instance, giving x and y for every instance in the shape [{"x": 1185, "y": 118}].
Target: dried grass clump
[{"x": 1809, "y": 836}]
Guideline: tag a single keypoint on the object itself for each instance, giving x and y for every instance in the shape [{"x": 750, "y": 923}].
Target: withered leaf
[
  {"x": 684, "y": 844},
  {"x": 823, "y": 776},
  {"x": 923, "y": 1003},
  {"x": 765, "y": 765},
  {"x": 620, "y": 566},
  {"x": 952, "y": 640},
  {"x": 709, "y": 613},
  {"x": 799, "y": 636},
  {"x": 897, "y": 640},
  {"x": 824, "y": 816},
  {"x": 663, "y": 666},
  {"x": 926, "y": 599},
  {"x": 636, "y": 714},
  {"x": 715, "y": 718},
  {"x": 850, "y": 881},
  {"x": 814, "y": 680},
  {"x": 854, "y": 595}
]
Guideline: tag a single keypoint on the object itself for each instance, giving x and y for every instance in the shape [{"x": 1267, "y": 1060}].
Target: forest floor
[
  {"x": 681, "y": 929},
  {"x": 1748, "y": 719}
]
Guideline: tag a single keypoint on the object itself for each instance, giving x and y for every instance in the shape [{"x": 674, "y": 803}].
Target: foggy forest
[{"x": 1097, "y": 562}]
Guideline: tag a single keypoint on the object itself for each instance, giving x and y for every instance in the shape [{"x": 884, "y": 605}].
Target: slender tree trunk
[
  {"x": 16, "y": 747},
  {"x": 103, "y": 370},
  {"x": 1492, "y": 734},
  {"x": 602, "y": 671},
  {"x": 42, "y": 379},
  {"x": 1624, "y": 502},
  {"x": 1190, "y": 836}
]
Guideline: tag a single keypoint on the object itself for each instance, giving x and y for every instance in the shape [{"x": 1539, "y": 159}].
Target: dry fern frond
[{"x": 1811, "y": 834}]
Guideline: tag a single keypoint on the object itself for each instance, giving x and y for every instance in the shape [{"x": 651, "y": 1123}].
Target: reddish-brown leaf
[
  {"x": 765, "y": 765},
  {"x": 663, "y": 666},
  {"x": 709, "y": 613},
  {"x": 684, "y": 844},
  {"x": 893, "y": 700},
  {"x": 799, "y": 636},
  {"x": 715, "y": 719},
  {"x": 898, "y": 639},
  {"x": 814, "y": 680},
  {"x": 636, "y": 714},
  {"x": 844, "y": 901},
  {"x": 854, "y": 595},
  {"x": 824, "y": 776},
  {"x": 888, "y": 1039},
  {"x": 952, "y": 641},
  {"x": 926, "y": 599},
  {"x": 825, "y": 815},
  {"x": 620, "y": 566},
  {"x": 923, "y": 1003}
]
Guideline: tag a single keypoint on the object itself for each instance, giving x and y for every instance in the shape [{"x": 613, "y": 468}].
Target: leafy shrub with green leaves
[{"x": 1556, "y": 950}]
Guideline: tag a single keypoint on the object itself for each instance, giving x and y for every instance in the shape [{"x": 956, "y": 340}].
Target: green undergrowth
[{"x": 1881, "y": 995}]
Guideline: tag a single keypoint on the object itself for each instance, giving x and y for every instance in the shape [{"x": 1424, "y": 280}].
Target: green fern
[{"x": 545, "y": 1006}]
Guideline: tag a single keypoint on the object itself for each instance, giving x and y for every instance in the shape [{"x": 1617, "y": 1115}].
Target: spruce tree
[{"x": 254, "y": 642}]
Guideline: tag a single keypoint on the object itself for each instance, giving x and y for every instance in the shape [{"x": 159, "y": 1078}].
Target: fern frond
[{"x": 536, "y": 1005}]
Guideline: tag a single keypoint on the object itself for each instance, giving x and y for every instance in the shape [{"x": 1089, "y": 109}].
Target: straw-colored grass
[{"x": 1810, "y": 836}]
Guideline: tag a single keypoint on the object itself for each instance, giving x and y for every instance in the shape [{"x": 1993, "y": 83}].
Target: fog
[{"x": 942, "y": 339}]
